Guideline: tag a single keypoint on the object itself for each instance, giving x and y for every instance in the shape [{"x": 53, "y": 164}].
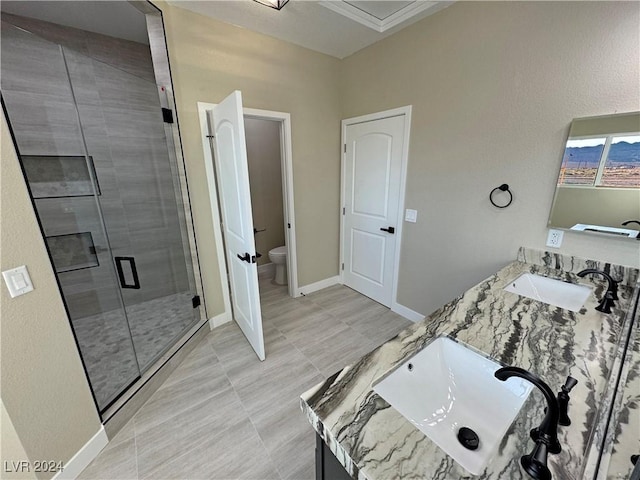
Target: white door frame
[
  {"x": 287, "y": 194},
  {"x": 406, "y": 111}
]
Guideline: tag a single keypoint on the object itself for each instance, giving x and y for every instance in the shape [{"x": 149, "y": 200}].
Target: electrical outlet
[{"x": 554, "y": 239}]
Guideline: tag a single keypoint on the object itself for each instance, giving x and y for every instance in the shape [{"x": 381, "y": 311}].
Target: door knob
[
  {"x": 390, "y": 230},
  {"x": 248, "y": 258}
]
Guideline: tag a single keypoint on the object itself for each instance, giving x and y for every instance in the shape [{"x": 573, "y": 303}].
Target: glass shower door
[
  {"x": 105, "y": 185},
  {"x": 141, "y": 200},
  {"x": 62, "y": 179}
]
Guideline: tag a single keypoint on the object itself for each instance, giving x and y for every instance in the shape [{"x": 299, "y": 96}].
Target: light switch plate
[
  {"x": 554, "y": 239},
  {"x": 411, "y": 215},
  {"x": 18, "y": 281}
]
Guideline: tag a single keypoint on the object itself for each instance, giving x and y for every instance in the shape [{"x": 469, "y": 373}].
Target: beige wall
[
  {"x": 12, "y": 451},
  {"x": 209, "y": 60},
  {"x": 44, "y": 388},
  {"x": 494, "y": 87},
  {"x": 265, "y": 179}
]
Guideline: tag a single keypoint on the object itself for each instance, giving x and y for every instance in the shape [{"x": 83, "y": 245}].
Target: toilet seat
[{"x": 278, "y": 251}]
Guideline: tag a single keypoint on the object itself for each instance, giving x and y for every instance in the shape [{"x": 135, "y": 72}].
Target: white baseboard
[
  {"x": 84, "y": 456},
  {"x": 267, "y": 267},
  {"x": 314, "y": 287},
  {"x": 220, "y": 319},
  {"x": 407, "y": 312}
]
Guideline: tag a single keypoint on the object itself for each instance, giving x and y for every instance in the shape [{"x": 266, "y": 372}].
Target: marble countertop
[
  {"x": 374, "y": 442},
  {"x": 622, "y": 439}
]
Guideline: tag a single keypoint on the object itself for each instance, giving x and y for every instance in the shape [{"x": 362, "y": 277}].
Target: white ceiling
[{"x": 336, "y": 27}]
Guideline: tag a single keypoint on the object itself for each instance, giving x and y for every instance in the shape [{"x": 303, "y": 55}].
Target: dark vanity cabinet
[{"x": 327, "y": 465}]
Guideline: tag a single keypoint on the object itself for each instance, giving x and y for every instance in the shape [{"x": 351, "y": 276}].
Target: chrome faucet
[
  {"x": 546, "y": 435},
  {"x": 612, "y": 289}
]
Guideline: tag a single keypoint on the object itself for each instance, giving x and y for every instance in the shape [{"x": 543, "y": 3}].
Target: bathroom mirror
[{"x": 598, "y": 187}]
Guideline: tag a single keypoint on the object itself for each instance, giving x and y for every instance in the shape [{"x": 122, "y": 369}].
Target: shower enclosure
[{"x": 100, "y": 166}]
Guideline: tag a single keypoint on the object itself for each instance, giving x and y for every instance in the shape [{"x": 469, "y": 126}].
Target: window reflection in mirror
[
  {"x": 611, "y": 161},
  {"x": 622, "y": 165},
  {"x": 598, "y": 187},
  {"x": 581, "y": 160}
]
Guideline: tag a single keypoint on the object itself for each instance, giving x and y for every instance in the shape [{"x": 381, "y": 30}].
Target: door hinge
[
  {"x": 167, "y": 115},
  {"x": 343, "y": 210},
  {"x": 345, "y": 148},
  {"x": 343, "y": 266},
  {"x": 288, "y": 225},
  {"x": 195, "y": 301}
]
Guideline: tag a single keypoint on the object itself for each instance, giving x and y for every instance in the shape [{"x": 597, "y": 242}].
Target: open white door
[{"x": 232, "y": 176}]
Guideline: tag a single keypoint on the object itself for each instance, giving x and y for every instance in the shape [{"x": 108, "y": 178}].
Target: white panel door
[
  {"x": 372, "y": 176},
  {"x": 232, "y": 176}
]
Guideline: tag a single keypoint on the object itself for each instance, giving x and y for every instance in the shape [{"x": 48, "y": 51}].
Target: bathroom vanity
[
  {"x": 361, "y": 436},
  {"x": 622, "y": 438}
]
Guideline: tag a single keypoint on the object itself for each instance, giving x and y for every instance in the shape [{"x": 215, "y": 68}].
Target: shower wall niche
[{"x": 86, "y": 115}]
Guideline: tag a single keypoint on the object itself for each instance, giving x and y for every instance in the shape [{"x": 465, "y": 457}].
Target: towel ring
[{"x": 503, "y": 188}]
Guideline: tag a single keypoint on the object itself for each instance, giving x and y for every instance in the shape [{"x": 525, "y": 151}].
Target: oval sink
[
  {"x": 447, "y": 390},
  {"x": 569, "y": 296}
]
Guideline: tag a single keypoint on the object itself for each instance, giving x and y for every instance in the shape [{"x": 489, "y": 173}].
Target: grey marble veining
[
  {"x": 611, "y": 403},
  {"x": 622, "y": 439},
  {"x": 373, "y": 441},
  {"x": 568, "y": 263}
]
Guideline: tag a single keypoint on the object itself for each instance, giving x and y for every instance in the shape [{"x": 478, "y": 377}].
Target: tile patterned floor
[
  {"x": 117, "y": 351},
  {"x": 224, "y": 415}
]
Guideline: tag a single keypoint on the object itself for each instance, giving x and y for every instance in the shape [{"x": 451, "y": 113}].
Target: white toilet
[{"x": 278, "y": 256}]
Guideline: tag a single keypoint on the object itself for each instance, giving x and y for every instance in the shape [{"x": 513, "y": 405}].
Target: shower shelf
[
  {"x": 73, "y": 251},
  {"x": 54, "y": 176}
]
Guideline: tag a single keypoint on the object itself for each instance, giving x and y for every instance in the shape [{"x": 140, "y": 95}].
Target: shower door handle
[{"x": 134, "y": 272}]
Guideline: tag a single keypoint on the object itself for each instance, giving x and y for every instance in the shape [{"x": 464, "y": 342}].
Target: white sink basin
[
  {"x": 569, "y": 296},
  {"x": 447, "y": 386}
]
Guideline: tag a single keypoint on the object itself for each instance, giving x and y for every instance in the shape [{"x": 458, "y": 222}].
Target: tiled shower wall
[{"x": 114, "y": 85}]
